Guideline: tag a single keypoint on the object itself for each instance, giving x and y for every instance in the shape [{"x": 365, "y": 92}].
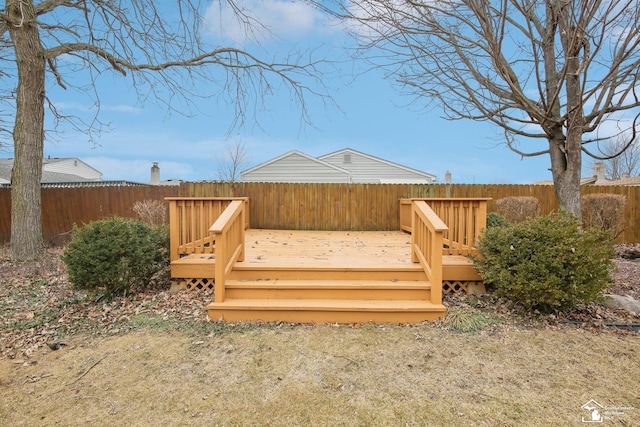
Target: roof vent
[{"x": 346, "y": 158}]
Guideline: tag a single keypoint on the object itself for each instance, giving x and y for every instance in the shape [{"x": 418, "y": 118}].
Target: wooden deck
[{"x": 325, "y": 276}]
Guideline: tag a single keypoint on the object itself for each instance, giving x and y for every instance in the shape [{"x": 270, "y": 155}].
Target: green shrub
[
  {"x": 494, "y": 219},
  {"x": 546, "y": 263},
  {"x": 116, "y": 255}
]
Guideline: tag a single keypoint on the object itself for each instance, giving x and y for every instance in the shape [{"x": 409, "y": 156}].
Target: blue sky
[{"x": 370, "y": 116}]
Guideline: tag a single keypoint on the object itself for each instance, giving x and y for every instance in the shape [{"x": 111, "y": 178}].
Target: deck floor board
[
  {"x": 338, "y": 249},
  {"x": 347, "y": 249}
]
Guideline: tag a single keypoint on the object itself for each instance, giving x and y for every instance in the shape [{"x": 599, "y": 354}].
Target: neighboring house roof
[
  {"x": 343, "y": 166},
  {"x": 56, "y": 170},
  {"x": 295, "y": 166},
  {"x": 599, "y": 178},
  {"x": 583, "y": 181},
  {"x": 91, "y": 184},
  {"x": 622, "y": 181},
  {"x": 367, "y": 168},
  {"x": 71, "y": 166}
]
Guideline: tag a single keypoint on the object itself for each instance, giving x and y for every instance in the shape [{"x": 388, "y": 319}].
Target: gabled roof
[
  {"x": 301, "y": 159},
  {"x": 294, "y": 153},
  {"x": 336, "y": 167},
  {"x": 52, "y": 171},
  {"x": 347, "y": 150},
  {"x": 54, "y": 161}
]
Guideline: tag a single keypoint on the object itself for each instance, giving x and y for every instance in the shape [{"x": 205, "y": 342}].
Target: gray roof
[{"x": 346, "y": 165}]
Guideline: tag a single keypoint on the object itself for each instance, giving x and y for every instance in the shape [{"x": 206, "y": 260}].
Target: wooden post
[
  {"x": 414, "y": 256},
  {"x": 221, "y": 256},
  {"x": 436, "y": 268},
  {"x": 174, "y": 230},
  {"x": 243, "y": 219},
  {"x": 481, "y": 219}
]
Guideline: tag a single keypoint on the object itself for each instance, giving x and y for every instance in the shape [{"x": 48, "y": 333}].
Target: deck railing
[
  {"x": 426, "y": 245},
  {"x": 190, "y": 219},
  {"x": 465, "y": 217},
  {"x": 228, "y": 233}
]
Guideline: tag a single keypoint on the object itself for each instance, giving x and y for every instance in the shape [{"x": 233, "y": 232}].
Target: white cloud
[
  {"x": 260, "y": 21},
  {"x": 82, "y": 107},
  {"x": 129, "y": 109}
]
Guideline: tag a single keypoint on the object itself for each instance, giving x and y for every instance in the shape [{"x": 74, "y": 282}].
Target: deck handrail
[
  {"x": 228, "y": 233},
  {"x": 465, "y": 217},
  {"x": 190, "y": 219},
  {"x": 426, "y": 245}
]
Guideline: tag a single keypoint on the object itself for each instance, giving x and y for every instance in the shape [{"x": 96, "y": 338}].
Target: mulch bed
[{"x": 38, "y": 306}]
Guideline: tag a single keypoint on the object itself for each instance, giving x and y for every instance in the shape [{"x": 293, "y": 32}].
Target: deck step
[
  {"x": 410, "y": 272},
  {"x": 334, "y": 289},
  {"x": 326, "y": 310},
  {"x": 194, "y": 266}
]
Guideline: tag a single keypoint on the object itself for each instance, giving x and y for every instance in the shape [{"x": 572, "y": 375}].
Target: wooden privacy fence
[
  {"x": 295, "y": 206},
  {"x": 64, "y": 207}
]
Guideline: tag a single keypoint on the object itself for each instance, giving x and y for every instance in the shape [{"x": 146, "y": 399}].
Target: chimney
[
  {"x": 598, "y": 172},
  {"x": 447, "y": 177},
  {"x": 155, "y": 174}
]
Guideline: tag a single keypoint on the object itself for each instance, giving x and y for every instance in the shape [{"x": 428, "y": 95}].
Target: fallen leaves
[{"x": 38, "y": 307}]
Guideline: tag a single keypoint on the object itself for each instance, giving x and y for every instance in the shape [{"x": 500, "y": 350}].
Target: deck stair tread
[
  {"x": 195, "y": 259},
  {"x": 349, "y": 290},
  {"x": 324, "y": 284},
  {"x": 283, "y": 265},
  {"x": 328, "y": 305},
  {"x": 326, "y": 310}
]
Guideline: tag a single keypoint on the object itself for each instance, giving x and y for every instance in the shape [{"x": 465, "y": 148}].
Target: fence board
[
  {"x": 64, "y": 207},
  {"x": 292, "y": 206}
]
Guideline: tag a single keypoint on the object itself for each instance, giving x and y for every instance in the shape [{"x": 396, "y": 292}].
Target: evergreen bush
[
  {"x": 116, "y": 255},
  {"x": 494, "y": 219},
  {"x": 546, "y": 263}
]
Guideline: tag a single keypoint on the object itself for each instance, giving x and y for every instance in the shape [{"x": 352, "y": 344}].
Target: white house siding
[
  {"x": 366, "y": 169},
  {"x": 295, "y": 167},
  {"x": 72, "y": 166}
]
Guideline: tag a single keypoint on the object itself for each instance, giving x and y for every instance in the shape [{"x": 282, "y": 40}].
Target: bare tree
[
  {"x": 621, "y": 157},
  {"x": 156, "y": 47},
  {"x": 234, "y": 161},
  {"x": 551, "y": 70}
]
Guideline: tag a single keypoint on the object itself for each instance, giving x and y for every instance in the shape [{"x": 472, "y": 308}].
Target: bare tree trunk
[
  {"x": 26, "y": 228},
  {"x": 565, "y": 150}
]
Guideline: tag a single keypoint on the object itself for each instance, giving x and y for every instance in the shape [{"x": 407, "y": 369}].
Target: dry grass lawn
[{"x": 325, "y": 375}]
